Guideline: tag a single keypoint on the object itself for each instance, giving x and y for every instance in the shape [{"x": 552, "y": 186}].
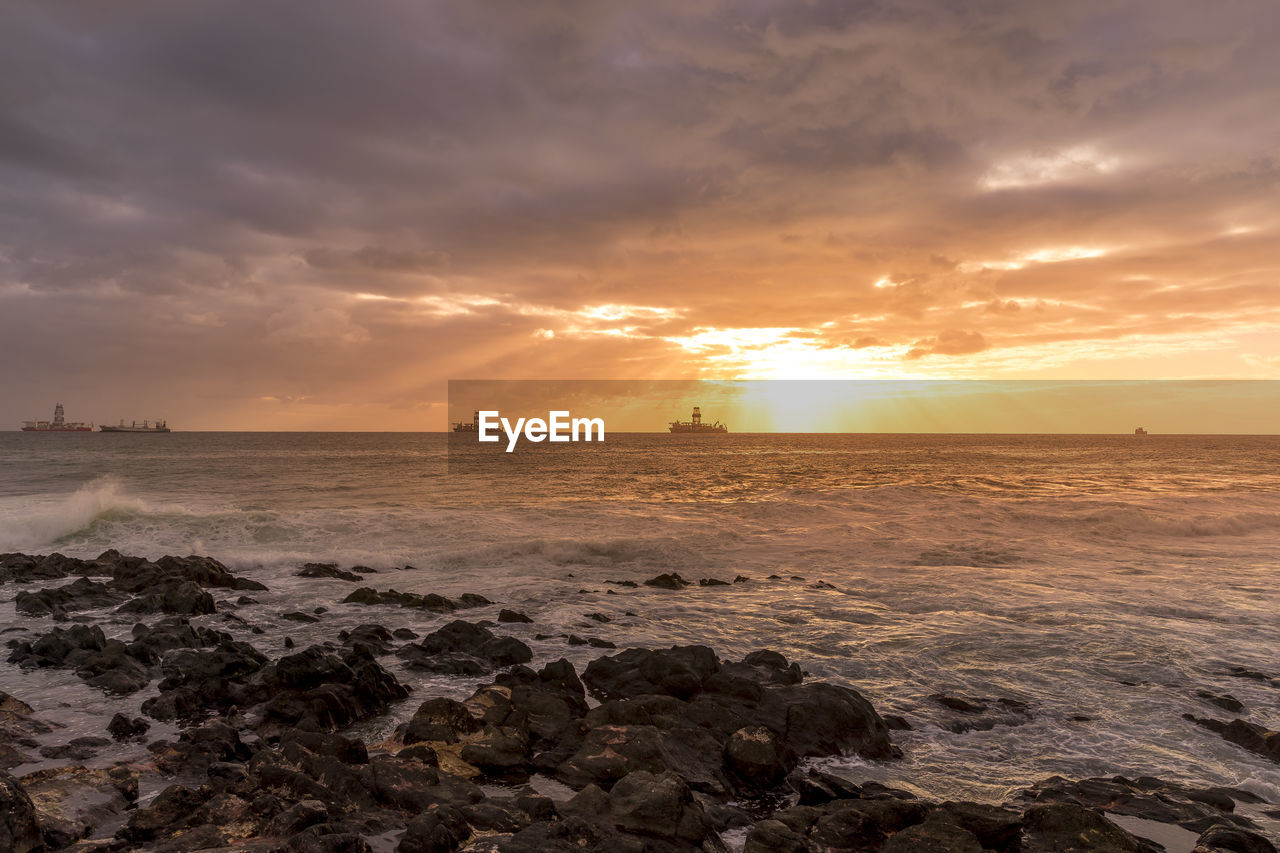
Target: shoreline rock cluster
[{"x": 661, "y": 750}]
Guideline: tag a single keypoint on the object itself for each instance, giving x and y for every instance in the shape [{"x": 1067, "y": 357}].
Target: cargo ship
[
  {"x": 58, "y": 424},
  {"x": 695, "y": 425},
  {"x": 474, "y": 426},
  {"x": 146, "y": 426},
  {"x": 1139, "y": 431}
]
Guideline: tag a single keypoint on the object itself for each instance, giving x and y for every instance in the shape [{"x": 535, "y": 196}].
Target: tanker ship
[
  {"x": 695, "y": 425},
  {"x": 146, "y": 426},
  {"x": 58, "y": 424}
]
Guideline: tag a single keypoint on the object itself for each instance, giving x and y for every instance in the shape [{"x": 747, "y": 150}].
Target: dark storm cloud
[{"x": 321, "y": 201}]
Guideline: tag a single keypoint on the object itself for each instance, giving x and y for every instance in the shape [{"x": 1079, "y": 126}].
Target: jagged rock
[
  {"x": 318, "y": 690},
  {"x": 977, "y": 714},
  {"x": 173, "y": 595},
  {"x": 135, "y": 574},
  {"x": 1225, "y": 701},
  {"x": 81, "y": 594},
  {"x": 376, "y": 637},
  {"x": 505, "y": 615},
  {"x": 72, "y": 802},
  {"x": 440, "y": 720},
  {"x": 1146, "y": 797},
  {"x": 431, "y": 601},
  {"x": 1069, "y": 828},
  {"x": 667, "y": 580},
  {"x": 440, "y": 829},
  {"x": 124, "y": 728},
  {"x": 76, "y": 749},
  {"x": 464, "y": 648},
  {"x": 1243, "y": 733},
  {"x": 198, "y": 682},
  {"x": 755, "y": 758},
  {"x": 328, "y": 570},
  {"x": 1221, "y": 838},
  {"x": 19, "y": 826}
]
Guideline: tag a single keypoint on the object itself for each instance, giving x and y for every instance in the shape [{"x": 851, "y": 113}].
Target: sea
[{"x": 1101, "y": 579}]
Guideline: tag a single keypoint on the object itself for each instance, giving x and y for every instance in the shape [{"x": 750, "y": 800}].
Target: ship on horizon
[
  {"x": 695, "y": 425},
  {"x": 1139, "y": 431},
  {"x": 146, "y": 426},
  {"x": 58, "y": 424},
  {"x": 474, "y": 426}
]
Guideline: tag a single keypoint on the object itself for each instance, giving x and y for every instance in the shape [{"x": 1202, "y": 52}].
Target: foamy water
[{"x": 1102, "y": 579}]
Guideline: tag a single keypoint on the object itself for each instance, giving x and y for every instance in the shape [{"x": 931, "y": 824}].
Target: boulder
[
  {"x": 81, "y": 594},
  {"x": 72, "y": 803},
  {"x": 1251, "y": 736},
  {"x": 328, "y": 570},
  {"x": 1069, "y": 828},
  {"x": 19, "y": 825}
]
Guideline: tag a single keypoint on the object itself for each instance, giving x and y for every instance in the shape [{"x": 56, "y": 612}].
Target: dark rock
[
  {"x": 897, "y": 723},
  {"x": 628, "y": 584},
  {"x": 712, "y": 582},
  {"x": 440, "y": 720},
  {"x": 975, "y": 714},
  {"x": 431, "y": 601},
  {"x": 420, "y": 752},
  {"x": 464, "y": 648},
  {"x": 375, "y": 637},
  {"x": 404, "y": 634},
  {"x": 19, "y": 828},
  {"x": 81, "y": 594},
  {"x": 73, "y": 803},
  {"x": 668, "y": 580},
  {"x": 318, "y": 690},
  {"x": 505, "y": 615},
  {"x": 134, "y": 574},
  {"x": 441, "y": 829},
  {"x": 1068, "y": 828},
  {"x": 1222, "y": 838},
  {"x": 964, "y": 705},
  {"x": 471, "y": 599},
  {"x": 598, "y": 617},
  {"x": 1225, "y": 701},
  {"x": 174, "y": 595},
  {"x": 755, "y": 758},
  {"x": 76, "y": 749},
  {"x": 1145, "y": 797},
  {"x": 1250, "y": 736},
  {"x": 328, "y": 570},
  {"x": 937, "y": 834},
  {"x": 679, "y": 671},
  {"x": 844, "y": 824},
  {"x": 296, "y": 616},
  {"x": 199, "y": 682}
]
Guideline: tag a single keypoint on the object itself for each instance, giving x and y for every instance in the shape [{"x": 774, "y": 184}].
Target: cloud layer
[{"x": 311, "y": 214}]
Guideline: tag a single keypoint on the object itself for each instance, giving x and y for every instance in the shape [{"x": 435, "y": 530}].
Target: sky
[{"x": 311, "y": 215}]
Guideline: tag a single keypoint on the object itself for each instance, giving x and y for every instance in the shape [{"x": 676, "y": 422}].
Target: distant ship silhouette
[
  {"x": 695, "y": 425},
  {"x": 1139, "y": 431}
]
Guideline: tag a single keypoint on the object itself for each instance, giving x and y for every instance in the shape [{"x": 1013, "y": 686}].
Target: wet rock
[
  {"x": 178, "y": 596},
  {"x": 937, "y": 834},
  {"x": 135, "y": 574},
  {"x": 1252, "y": 674},
  {"x": 172, "y": 632},
  {"x": 405, "y": 634},
  {"x": 756, "y": 759},
  {"x": 174, "y": 808},
  {"x": 975, "y": 714},
  {"x": 81, "y": 594},
  {"x": 103, "y": 663},
  {"x": 1068, "y": 828},
  {"x": 1225, "y": 701},
  {"x": 328, "y": 570},
  {"x": 628, "y": 584},
  {"x": 844, "y": 824},
  {"x": 1145, "y": 797},
  {"x": 655, "y": 806},
  {"x": 440, "y": 720},
  {"x": 464, "y": 648},
  {"x": 712, "y": 582},
  {"x": 440, "y": 829},
  {"x": 897, "y": 723},
  {"x": 1221, "y": 838},
  {"x": 296, "y": 616},
  {"x": 667, "y": 580},
  {"x": 376, "y": 637},
  {"x": 598, "y": 617},
  {"x": 431, "y": 601},
  {"x": 608, "y": 753},
  {"x": 318, "y": 690},
  {"x": 679, "y": 671},
  {"x": 471, "y": 599},
  {"x": 124, "y": 728},
  {"x": 1251, "y": 736},
  {"x": 17, "y": 726},
  {"x": 73, "y": 803},
  {"x": 505, "y": 615},
  {"x": 19, "y": 826},
  {"x": 197, "y": 682},
  {"x": 76, "y": 749}
]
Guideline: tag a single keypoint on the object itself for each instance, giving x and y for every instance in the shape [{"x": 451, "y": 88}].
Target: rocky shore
[{"x": 671, "y": 749}]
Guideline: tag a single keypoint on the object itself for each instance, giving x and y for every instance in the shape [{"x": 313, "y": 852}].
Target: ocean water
[{"x": 1102, "y": 579}]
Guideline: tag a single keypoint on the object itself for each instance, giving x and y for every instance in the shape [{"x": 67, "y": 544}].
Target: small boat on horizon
[
  {"x": 58, "y": 424},
  {"x": 474, "y": 426},
  {"x": 1139, "y": 431}
]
